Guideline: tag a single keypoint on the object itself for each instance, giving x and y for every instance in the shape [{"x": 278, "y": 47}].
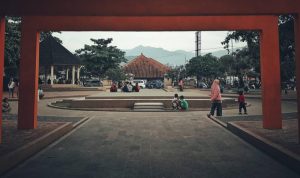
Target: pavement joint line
[
  {"x": 225, "y": 129},
  {"x": 51, "y": 145},
  {"x": 264, "y": 140},
  {"x": 275, "y": 151},
  {"x": 30, "y": 149},
  {"x": 261, "y": 143},
  {"x": 81, "y": 121},
  {"x": 223, "y": 124}
]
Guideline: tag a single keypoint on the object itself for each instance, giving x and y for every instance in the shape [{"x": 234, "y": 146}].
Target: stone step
[
  {"x": 149, "y": 110},
  {"x": 148, "y": 106}
]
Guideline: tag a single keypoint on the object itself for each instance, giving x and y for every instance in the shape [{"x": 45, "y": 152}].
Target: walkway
[{"x": 142, "y": 145}]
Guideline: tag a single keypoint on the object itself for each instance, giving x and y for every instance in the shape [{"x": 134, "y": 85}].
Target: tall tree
[
  {"x": 12, "y": 44},
  {"x": 286, "y": 37},
  {"x": 226, "y": 62},
  {"x": 239, "y": 63},
  {"x": 203, "y": 66},
  {"x": 171, "y": 73},
  {"x": 116, "y": 74},
  {"x": 287, "y": 47},
  {"x": 176, "y": 73},
  {"x": 100, "y": 57}
]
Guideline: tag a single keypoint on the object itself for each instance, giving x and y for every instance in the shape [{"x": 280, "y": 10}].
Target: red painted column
[
  {"x": 2, "y": 42},
  {"x": 270, "y": 76},
  {"x": 29, "y": 69},
  {"x": 297, "y": 59}
]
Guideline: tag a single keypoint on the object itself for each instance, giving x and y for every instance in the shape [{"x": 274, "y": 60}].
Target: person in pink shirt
[
  {"x": 180, "y": 84},
  {"x": 216, "y": 99}
]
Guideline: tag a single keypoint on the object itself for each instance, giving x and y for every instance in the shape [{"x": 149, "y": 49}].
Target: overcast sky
[{"x": 211, "y": 40}]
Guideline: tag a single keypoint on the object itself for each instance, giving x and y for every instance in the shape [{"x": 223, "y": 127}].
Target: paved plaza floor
[
  {"x": 138, "y": 145},
  {"x": 146, "y": 144}
]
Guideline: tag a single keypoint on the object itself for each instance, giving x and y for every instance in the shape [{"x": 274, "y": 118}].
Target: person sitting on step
[{"x": 184, "y": 105}]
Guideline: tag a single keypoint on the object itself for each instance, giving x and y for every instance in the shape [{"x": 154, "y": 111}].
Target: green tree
[
  {"x": 226, "y": 62},
  {"x": 237, "y": 64},
  {"x": 203, "y": 66},
  {"x": 176, "y": 73},
  {"x": 287, "y": 46},
  {"x": 115, "y": 74},
  {"x": 100, "y": 57},
  {"x": 12, "y": 44}
]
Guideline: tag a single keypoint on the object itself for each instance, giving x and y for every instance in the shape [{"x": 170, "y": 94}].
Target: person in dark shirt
[
  {"x": 5, "y": 105},
  {"x": 242, "y": 103}
]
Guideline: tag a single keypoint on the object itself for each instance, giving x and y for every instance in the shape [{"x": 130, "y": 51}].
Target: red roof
[{"x": 144, "y": 67}]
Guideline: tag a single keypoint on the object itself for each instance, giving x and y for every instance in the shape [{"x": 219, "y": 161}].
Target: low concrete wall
[
  {"x": 128, "y": 103},
  {"x": 146, "y": 97}
]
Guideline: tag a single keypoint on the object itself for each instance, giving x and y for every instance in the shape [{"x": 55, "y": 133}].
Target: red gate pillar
[
  {"x": 270, "y": 76},
  {"x": 2, "y": 42},
  {"x": 29, "y": 69},
  {"x": 297, "y": 59}
]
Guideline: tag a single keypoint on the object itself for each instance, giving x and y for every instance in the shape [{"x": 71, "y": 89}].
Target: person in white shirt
[
  {"x": 11, "y": 87},
  {"x": 175, "y": 102},
  {"x": 129, "y": 87}
]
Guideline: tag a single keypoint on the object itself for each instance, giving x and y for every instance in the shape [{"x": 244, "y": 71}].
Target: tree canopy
[
  {"x": 12, "y": 44},
  {"x": 203, "y": 66},
  {"x": 116, "y": 74},
  {"x": 287, "y": 46},
  {"x": 177, "y": 73},
  {"x": 100, "y": 57}
]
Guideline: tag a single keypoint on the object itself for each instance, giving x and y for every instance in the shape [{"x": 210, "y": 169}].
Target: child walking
[{"x": 242, "y": 103}]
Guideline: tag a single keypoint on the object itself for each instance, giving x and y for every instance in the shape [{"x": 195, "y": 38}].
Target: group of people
[
  {"x": 179, "y": 103},
  {"x": 216, "y": 100},
  {"x": 127, "y": 87}
]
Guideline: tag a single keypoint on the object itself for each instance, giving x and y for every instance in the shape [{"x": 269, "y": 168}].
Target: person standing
[
  {"x": 216, "y": 99},
  {"x": 242, "y": 103},
  {"x": 180, "y": 84},
  {"x": 11, "y": 87}
]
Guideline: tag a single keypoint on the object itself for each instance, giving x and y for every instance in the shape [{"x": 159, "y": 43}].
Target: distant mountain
[{"x": 164, "y": 56}]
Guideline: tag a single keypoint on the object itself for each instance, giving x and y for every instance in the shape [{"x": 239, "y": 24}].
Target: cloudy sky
[{"x": 211, "y": 41}]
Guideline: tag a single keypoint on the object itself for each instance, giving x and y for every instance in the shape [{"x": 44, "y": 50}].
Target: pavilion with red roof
[{"x": 143, "y": 67}]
